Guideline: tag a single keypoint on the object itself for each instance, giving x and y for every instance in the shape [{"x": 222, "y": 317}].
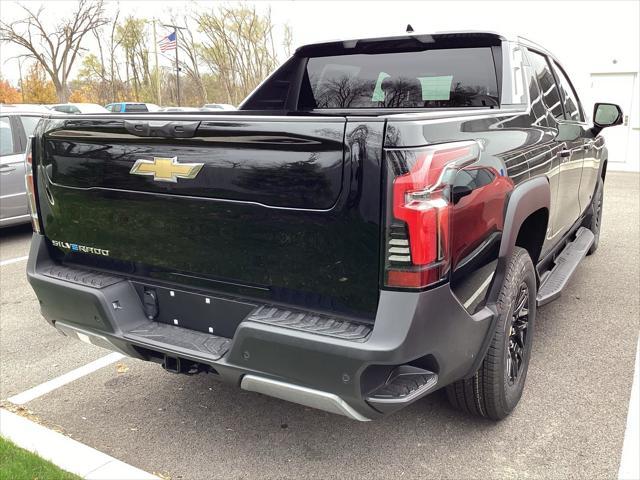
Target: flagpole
[
  {"x": 175, "y": 32},
  {"x": 155, "y": 51}
]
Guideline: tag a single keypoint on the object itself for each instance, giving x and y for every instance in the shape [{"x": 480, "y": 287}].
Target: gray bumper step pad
[
  {"x": 311, "y": 322},
  {"x": 177, "y": 339}
]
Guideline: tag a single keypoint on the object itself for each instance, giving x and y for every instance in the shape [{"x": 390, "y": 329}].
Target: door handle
[
  {"x": 7, "y": 168},
  {"x": 565, "y": 153}
]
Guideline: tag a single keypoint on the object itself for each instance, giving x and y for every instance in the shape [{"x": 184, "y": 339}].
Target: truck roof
[{"x": 423, "y": 37}]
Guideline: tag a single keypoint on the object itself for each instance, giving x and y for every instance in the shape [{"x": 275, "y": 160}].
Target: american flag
[{"x": 168, "y": 43}]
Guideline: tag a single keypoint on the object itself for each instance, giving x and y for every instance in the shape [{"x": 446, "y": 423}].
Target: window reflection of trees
[{"x": 400, "y": 92}]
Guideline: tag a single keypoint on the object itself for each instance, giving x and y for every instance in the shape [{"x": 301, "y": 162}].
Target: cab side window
[
  {"x": 550, "y": 95},
  {"x": 572, "y": 108}
]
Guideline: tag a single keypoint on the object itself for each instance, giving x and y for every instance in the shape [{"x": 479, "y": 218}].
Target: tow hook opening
[{"x": 180, "y": 365}]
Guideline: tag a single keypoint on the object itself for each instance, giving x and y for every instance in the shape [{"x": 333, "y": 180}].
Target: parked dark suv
[{"x": 381, "y": 218}]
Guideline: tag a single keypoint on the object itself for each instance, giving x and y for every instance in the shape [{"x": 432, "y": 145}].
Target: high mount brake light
[
  {"x": 31, "y": 190},
  {"x": 419, "y": 209}
]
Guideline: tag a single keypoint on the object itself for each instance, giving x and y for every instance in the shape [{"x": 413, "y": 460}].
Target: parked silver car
[{"x": 17, "y": 122}]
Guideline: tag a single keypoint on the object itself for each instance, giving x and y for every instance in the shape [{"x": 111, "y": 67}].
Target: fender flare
[{"x": 525, "y": 199}]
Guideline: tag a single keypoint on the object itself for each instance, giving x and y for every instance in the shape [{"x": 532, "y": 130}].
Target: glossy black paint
[
  {"x": 290, "y": 210},
  {"x": 521, "y": 145},
  {"x": 277, "y": 164},
  {"x": 289, "y": 207},
  {"x": 274, "y": 214}
]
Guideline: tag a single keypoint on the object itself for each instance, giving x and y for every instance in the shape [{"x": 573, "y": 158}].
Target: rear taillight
[
  {"x": 31, "y": 190},
  {"x": 419, "y": 209}
]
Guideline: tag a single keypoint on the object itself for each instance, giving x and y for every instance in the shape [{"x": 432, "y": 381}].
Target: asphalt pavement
[{"x": 570, "y": 422}]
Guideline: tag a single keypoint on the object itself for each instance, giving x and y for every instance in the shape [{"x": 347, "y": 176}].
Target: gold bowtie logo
[{"x": 166, "y": 169}]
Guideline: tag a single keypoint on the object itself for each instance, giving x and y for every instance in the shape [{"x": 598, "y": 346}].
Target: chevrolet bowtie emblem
[{"x": 166, "y": 169}]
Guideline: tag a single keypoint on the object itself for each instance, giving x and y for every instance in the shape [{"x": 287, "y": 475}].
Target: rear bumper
[{"x": 413, "y": 333}]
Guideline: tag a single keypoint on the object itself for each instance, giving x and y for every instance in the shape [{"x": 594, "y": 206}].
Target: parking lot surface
[{"x": 570, "y": 422}]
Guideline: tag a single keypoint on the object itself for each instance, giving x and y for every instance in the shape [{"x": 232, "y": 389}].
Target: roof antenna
[{"x": 409, "y": 28}]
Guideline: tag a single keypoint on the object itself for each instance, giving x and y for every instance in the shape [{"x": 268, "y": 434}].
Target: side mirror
[{"x": 606, "y": 115}]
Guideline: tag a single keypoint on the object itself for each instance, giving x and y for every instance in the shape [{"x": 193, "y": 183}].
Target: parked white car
[
  {"x": 217, "y": 106},
  {"x": 79, "y": 108},
  {"x": 179, "y": 109}
]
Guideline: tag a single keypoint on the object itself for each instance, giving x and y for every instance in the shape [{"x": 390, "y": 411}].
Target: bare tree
[
  {"x": 238, "y": 48},
  {"x": 191, "y": 58},
  {"x": 57, "y": 49}
]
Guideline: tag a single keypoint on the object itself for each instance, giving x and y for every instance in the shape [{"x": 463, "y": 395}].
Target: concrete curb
[{"x": 66, "y": 453}]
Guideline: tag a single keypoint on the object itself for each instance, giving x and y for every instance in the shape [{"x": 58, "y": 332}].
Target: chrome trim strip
[
  {"x": 308, "y": 397},
  {"x": 192, "y": 197}
]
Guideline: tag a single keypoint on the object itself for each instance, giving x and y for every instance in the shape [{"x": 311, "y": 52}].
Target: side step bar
[{"x": 565, "y": 265}]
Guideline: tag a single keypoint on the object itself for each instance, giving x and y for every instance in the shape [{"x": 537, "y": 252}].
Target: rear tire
[
  {"x": 596, "y": 216},
  {"x": 497, "y": 386}
]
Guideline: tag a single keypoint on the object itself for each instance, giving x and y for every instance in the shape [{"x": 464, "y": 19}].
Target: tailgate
[{"x": 266, "y": 208}]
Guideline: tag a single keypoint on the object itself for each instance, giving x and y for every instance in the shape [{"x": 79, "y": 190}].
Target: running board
[{"x": 566, "y": 263}]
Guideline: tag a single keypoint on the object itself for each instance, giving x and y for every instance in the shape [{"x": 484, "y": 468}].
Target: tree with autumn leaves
[
  {"x": 9, "y": 94},
  {"x": 224, "y": 53},
  {"x": 36, "y": 88}
]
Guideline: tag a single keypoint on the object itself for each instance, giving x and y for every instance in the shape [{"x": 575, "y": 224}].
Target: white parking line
[
  {"x": 46, "y": 387},
  {"x": 66, "y": 453},
  {"x": 630, "y": 462},
  {"x": 13, "y": 260}
]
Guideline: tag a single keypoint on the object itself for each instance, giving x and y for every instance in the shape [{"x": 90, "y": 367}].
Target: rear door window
[
  {"x": 549, "y": 93},
  {"x": 572, "y": 109},
  {"x": 456, "y": 77}
]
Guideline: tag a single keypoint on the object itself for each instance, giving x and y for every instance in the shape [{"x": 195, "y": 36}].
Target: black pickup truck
[{"x": 380, "y": 219}]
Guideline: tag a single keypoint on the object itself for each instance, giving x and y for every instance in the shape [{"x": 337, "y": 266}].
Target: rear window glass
[
  {"x": 460, "y": 77},
  {"x": 137, "y": 107}
]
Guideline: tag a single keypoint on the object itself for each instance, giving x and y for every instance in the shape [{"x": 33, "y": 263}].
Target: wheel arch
[
  {"x": 529, "y": 200},
  {"x": 528, "y": 207}
]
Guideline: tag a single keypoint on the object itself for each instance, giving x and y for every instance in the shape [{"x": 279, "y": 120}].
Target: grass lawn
[{"x": 19, "y": 464}]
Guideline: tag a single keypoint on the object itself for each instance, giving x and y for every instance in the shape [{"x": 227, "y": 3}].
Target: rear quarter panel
[{"x": 516, "y": 147}]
